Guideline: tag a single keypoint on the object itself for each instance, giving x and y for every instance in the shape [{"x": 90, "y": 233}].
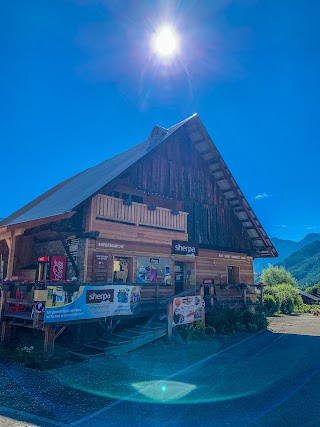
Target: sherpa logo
[
  {"x": 96, "y": 296},
  {"x": 184, "y": 248}
]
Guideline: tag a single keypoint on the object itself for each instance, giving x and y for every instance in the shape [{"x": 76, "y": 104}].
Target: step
[
  {"x": 114, "y": 341},
  {"x": 150, "y": 328},
  {"x": 128, "y": 335},
  {"x": 98, "y": 346},
  {"x": 87, "y": 353},
  {"x": 139, "y": 342}
]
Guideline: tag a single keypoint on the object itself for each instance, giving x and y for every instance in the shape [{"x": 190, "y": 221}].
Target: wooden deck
[{"x": 114, "y": 209}]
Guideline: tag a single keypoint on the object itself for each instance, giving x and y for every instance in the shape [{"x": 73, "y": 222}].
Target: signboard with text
[
  {"x": 180, "y": 247},
  {"x": 187, "y": 310},
  {"x": 100, "y": 267},
  {"x": 91, "y": 302}
]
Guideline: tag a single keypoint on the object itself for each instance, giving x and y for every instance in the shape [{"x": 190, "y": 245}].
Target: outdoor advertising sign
[
  {"x": 181, "y": 247},
  {"x": 91, "y": 302},
  {"x": 187, "y": 310},
  {"x": 58, "y": 268}
]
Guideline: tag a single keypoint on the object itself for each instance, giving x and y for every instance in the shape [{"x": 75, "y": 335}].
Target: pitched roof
[{"x": 66, "y": 196}]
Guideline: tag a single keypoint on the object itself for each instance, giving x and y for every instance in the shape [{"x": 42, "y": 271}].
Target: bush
[
  {"x": 302, "y": 308},
  {"x": 270, "y": 305},
  {"x": 286, "y": 297},
  {"x": 230, "y": 321}
]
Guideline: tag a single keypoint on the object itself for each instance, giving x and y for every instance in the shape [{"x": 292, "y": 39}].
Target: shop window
[
  {"x": 153, "y": 270},
  {"x": 233, "y": 275},
  {"x": 121, "y": 269}
]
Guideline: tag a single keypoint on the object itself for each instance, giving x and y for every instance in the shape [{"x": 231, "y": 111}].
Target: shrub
[
  {"x": 270, "y": 305},
  {"x": 286, "y": 297},
  {"x": 302, "y": 308},
  {"x": 230, "y": 321}
]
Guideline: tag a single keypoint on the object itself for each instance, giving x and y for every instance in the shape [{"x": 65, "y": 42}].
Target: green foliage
[
  {"x": 270, "y": 305},
  {"x": 231, "y": 321},
  {"x": 302, "y": 308},
  {"x": 314, "y": 290},
  {"x": 286, "y": 297},
  {"x": 194, "y": 331},
  {"x": 273, "y": 276}
]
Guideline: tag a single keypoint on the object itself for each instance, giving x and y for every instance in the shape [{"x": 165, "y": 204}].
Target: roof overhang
[
  {"x": 230, "y": 189},
  {"x": 19, "y": 228}
]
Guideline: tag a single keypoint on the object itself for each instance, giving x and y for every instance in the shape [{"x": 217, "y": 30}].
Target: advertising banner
[
  {"x": 58, "y": 268},
  {"x": 187, "y": 310},
  {"x": 91, "y": 302}
]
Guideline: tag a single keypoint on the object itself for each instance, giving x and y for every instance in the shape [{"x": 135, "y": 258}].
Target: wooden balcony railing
[{"x": 108, "y": 207}]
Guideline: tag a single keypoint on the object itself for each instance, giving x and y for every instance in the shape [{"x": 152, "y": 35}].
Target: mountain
[
  {"x": 285, "y": 248},
  {"x": 304, "y": 264}
]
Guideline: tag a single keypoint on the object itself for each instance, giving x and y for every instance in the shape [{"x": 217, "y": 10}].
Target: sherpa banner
[{"x": 91, "y": 302}]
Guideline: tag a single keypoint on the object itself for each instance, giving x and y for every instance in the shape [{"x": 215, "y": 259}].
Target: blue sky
[{"x": 79, "y": 84}]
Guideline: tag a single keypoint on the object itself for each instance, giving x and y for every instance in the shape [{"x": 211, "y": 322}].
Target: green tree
[
  {"x": 286, "y": 296},
  {"x": 272, "y": 276},
  {"x": 314, "y": 290}
]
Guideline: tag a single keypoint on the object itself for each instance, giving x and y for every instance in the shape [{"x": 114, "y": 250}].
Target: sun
[{"x": 165, "y": 42}]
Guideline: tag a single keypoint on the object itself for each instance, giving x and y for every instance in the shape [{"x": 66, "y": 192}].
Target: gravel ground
[{"x": 73, "y": 391}]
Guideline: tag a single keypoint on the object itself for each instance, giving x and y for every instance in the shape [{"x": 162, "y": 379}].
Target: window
[
  {"x": 121, "y": 269},
  {"x": 233, "y": 275},
  {"x": 153, "y": 270}
]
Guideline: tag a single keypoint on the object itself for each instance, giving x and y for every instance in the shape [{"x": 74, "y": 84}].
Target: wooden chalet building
[{"x": 166, "y": 214}]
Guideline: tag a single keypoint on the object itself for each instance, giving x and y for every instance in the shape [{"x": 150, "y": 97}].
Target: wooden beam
[
  {"x": 66, "y": 248},
  {"x": 7, "y": 234},
  {"x": 11, "y": 243}
]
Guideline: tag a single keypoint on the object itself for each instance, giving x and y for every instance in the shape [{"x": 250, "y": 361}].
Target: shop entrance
[{"x": 178, "y": 277}]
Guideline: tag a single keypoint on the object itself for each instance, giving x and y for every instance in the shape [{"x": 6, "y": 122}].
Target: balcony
[{"x": 114, "y": 209}]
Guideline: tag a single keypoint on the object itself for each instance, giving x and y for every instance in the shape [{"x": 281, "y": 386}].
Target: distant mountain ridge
[
  {"x": 304, "y": 264},
  {"x": 284, "y": 248}
]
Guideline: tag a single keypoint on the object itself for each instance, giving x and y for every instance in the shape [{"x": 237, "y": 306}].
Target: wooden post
[
  {"x": 5, "y": 333},
  {"x": 11, "y": 243},
  {"x": 4, "y": 296},
  {"x": 261, "y": 287},
  {"x": 157, "y": 297},
  {"x": 48, "y": 341},
  {"x": 169, "y": 320},
  {"x": 245, "y": 296},
  {"x": 203, "y": 321}
]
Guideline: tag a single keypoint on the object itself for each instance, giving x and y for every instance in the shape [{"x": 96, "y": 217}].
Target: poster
[
  {"x": 91, "y": 302},
  {"x": 153, "y": 270},
  {"x": 187, "y": 310}
]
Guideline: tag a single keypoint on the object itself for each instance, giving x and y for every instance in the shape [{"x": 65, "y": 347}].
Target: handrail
[{"x": 195, "y": 288}]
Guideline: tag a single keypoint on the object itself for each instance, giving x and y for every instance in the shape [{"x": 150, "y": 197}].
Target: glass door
[{"x": 178, "y": 277}]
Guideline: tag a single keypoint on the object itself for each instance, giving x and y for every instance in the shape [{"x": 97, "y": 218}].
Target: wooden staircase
[{"x": 123, "y": 341}]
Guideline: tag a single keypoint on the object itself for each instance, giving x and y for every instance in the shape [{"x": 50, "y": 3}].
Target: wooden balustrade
[{"x": 112, "y": 208}]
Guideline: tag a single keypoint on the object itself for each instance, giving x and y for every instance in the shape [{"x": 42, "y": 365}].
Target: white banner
[{"x": 187, "y": 310}]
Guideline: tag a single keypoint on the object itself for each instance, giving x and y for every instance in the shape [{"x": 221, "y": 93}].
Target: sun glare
[{"x": 165, "y": 42}]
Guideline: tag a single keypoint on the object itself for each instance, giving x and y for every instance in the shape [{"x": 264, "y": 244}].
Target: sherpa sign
[{"x": 180, "y": 247}]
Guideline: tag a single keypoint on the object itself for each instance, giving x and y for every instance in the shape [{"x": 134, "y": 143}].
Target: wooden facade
[{"x": 171, "y": 193}]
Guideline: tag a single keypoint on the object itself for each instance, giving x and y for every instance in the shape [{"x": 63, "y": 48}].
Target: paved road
[{"x": 268, "y": 379}]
